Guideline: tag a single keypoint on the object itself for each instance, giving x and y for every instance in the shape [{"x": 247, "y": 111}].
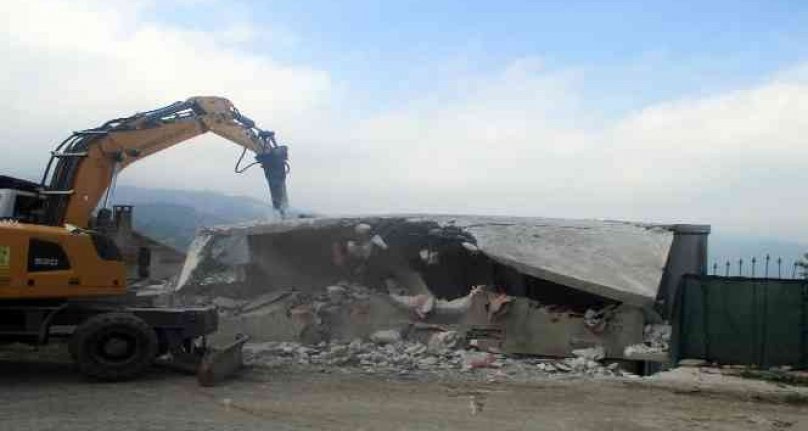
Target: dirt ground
[{"x": 38, "y": 395}]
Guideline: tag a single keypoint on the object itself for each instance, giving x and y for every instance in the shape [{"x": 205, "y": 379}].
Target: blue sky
[
  {"x": 630, "y": 52},
  {"x": 672, "y": 112}
]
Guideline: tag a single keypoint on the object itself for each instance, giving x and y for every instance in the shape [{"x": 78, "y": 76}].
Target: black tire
[{"x": 113, "y": 346}]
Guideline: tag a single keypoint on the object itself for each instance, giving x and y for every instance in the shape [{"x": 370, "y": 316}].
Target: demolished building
[{"x": 517, "y": 285}]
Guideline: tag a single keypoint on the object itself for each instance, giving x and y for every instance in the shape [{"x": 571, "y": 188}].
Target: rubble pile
[
  {"x": 388, "y": 355},
  {"x": 500, "y": 286},
  {"x": 655, "y": 345}
]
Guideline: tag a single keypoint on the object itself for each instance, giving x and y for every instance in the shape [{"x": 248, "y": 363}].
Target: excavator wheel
[{"x": 113, "y": 346}]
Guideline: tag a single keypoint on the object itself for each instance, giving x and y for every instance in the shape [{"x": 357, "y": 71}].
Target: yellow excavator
[{"x": 61, "y": 277}]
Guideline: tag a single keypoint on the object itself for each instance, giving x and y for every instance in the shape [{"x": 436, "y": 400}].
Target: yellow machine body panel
[{"x": 39, "y": 261}]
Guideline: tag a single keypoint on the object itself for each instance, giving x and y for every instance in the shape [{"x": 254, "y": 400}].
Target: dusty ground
[{"x": 39, "y": 395}]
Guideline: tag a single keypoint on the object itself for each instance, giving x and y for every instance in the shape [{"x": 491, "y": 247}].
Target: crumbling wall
[{"x": 534, "y": 286}]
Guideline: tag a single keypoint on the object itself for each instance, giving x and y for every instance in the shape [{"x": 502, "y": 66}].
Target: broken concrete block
[
  {"x": 547, "y": 366},
  {"x": 337, "y": 350},
  {"x": 429, "y": 361},
  {"x": 441, "y": 341},
  {"x": 379, "y": 242},
  {"x": 562, "y": 366},
  {"x": 624, "y": 263},
  {"x": 421, "y": 305},
  {"x": 592, "y": 353},
  {"x": 497, "y": 305},
  {"x": 339, "y": 294},
  {"x": 478, "y": 360},
  {"x": 415, "y": 349},
  {"x": 658, "y": 335},
  {"x": 388, "y": 336},
  {"x": 644, "y": 352}
]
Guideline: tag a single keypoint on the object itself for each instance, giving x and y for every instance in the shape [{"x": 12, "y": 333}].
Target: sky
[{"x": 672, "y": 112}]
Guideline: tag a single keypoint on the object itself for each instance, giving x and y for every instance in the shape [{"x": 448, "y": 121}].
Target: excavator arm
[{"x": 83, "y": 166}]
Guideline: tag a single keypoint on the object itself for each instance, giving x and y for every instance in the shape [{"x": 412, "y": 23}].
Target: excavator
[{"x": 62, "y": 277}]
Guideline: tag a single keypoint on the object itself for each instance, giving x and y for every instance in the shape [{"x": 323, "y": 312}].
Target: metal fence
[
  {"x": 742, "y": 320},
  {"x": 767, "y": 267}
]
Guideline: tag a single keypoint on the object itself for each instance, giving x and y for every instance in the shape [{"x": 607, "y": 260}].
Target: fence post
[{"x": 767, "y": 265}]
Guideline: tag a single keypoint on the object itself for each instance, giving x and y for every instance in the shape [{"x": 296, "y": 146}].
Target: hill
[{"x": 174, "y": 216}]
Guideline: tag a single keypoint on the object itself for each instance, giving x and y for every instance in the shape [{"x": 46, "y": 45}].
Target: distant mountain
[{"x": 174, "y": 216}]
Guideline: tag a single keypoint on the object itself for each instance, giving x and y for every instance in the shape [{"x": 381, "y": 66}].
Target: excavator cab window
[
  {"x": 46, "y": 256},
  {"x": 26, "y": 207}
]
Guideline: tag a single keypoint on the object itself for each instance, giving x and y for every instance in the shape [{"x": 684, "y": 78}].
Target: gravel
[{"x": 416, "y": 358}]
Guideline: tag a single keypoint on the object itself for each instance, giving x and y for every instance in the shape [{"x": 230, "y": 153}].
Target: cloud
[
  {"x": 528, "y": 142},
  {"x": 74, "y": 65},
  {"x": 524, "y": 140}
]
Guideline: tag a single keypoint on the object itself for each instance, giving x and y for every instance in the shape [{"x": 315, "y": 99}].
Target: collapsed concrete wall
[{"x": 524, "y": 285}]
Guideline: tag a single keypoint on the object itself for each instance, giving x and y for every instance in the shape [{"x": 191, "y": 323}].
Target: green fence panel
[
  {"x": 689, "y": 333},
  {"x": 782, "y": 325},
  {"x": 735, "y": 320},
  {"x": 730, "y": 321}
]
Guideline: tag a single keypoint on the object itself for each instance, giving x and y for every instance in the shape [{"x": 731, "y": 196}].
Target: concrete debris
[
  {"x": 365, "y": 244},
  {"x": 497, "y": 305},
  {"x": 444, "y": 341},
  {"x": 638, "y": 350},
  {"x": 548, "y": 367},
  {"x": 597, "y": 320},
  {"x": 425, "y": 304},
  {"x": 591, "y": 353},
  {"x": 657, "y": 335},
  {"x": 334, "y": 280},
  {"x": 484, "y": 319},
  {"x": 378, "y": 241},
  {"x": 388, "y": 336},
  {"x": 336, "y": 293},
  {"x": 407, "y": 357},
  {"x": 655, "y": 345},
  {"x": 420, "y": 305},
  {"x": 562, "y": 366},
  {"x": 479, "y": 360},
  {"x": 457, "y": 306}
]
